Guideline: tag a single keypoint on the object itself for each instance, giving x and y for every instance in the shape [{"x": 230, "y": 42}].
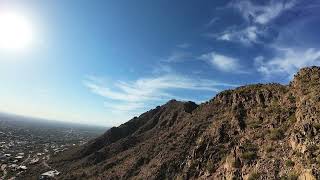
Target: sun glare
[{"x": 15, "y": 31}]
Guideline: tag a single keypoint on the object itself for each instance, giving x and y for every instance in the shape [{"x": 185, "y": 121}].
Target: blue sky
[{"x": 103, "y": 62}]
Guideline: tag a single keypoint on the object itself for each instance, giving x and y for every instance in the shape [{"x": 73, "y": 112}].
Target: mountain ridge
[{"x": 261, "y": 131}]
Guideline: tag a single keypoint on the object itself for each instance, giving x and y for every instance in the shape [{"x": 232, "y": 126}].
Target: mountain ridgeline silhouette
[{"x": 262, "y": 131}]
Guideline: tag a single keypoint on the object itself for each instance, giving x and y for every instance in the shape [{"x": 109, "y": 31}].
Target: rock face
[{"x": 259, "y": 131}]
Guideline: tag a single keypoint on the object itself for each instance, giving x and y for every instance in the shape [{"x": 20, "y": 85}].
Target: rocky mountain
[{"x": 263, "y": 131}]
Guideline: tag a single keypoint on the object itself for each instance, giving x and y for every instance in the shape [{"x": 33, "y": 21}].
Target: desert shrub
[
  {"x": 254, "y": 176},
  {"x": 249, "y": 156},
  {"x": 289, "y": 163},
  {"x": 255, "y": 125},
  {"x": 291, "y": 98},
  {"x": 236, "y": 163},
  {"x": 249, "y": 146},
  {"x": 270, "y": 149},
  {"x": 276, "y": 134},
  {"x": 250, "y": 152},
  {"x": 210, "y": 166},
  {"x": 292, "y": 119}
]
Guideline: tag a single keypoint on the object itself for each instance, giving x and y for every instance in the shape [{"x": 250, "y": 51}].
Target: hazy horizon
[{"x": 104, "y": 62}]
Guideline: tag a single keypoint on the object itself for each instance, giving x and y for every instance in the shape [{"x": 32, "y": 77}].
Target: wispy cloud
[
  {"x": 177, "y": 56},
  {"x": 184, "y": 45},
  {"x": 223, "y": 62},
  {"x": 288, "y": 61},
  {"x": 212, "y": 22},
  {"x": 262, "y": 14},
  {"x": 246, "y": 36},
  {"x": 258, "y": 19},
  {"x": 139, "y": 94}
]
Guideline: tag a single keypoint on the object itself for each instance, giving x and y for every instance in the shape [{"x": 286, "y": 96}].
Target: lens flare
[{"x": 15, "y": 31}]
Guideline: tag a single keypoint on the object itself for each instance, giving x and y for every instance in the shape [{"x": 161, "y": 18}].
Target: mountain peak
[{"x": 307, "y": 74}]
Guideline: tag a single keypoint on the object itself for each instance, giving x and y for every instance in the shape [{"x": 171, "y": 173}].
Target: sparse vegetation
[
  {"x": 291, "y": 98},
  {"x": 276, "y": 134},
  {"x": 210, "y": 166},
  {"x": 292, "y": 119},
  {"x": 249, "y": 156},
  {"x": 290, "y": 163},
  {"x": 236, "y": 163},
  {"x": 255, "y": 124},
  {"x": 270, "y": 149},
  {"x": 289, "y": 177},
  {"x": 254, "y": 176},
  {"x": 250, "y": 152},
  {"x": 312, "y": 148}
]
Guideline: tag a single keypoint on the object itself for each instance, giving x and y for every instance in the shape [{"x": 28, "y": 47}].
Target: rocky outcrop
[{"x": 263, "y": 131}]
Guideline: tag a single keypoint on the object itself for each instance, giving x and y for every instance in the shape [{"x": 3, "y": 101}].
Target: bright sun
[{"x": 15, "y": 31}]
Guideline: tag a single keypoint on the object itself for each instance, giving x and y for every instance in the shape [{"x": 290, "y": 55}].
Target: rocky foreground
[{"x": 258, "y": 131}]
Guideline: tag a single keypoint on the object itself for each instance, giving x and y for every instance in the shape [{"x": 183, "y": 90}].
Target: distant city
[{"x": 27, "y": 143}]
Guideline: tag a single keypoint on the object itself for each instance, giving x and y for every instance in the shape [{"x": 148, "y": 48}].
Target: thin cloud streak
[
  {"x": 177, "y": 56},
  {"x": 136, "y": 95}
]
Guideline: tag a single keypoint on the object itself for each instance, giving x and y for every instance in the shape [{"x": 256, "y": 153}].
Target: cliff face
[{"x": 259, "y": 131}]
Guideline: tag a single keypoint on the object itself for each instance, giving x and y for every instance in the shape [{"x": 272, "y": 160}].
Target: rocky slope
[{"x": 258, "y": 131}]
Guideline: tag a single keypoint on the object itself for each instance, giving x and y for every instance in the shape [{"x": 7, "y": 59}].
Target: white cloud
[
  {"x": 222, "y": 62},
  {"x": 246, "y": 36},
  {"x": 138, "y": 95},
  {"x": 177, "y": 56},
  {"x": 262, "y": 14},
  {"x": 257, "y": 17},
  {"x": 288, "y": 61}
]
